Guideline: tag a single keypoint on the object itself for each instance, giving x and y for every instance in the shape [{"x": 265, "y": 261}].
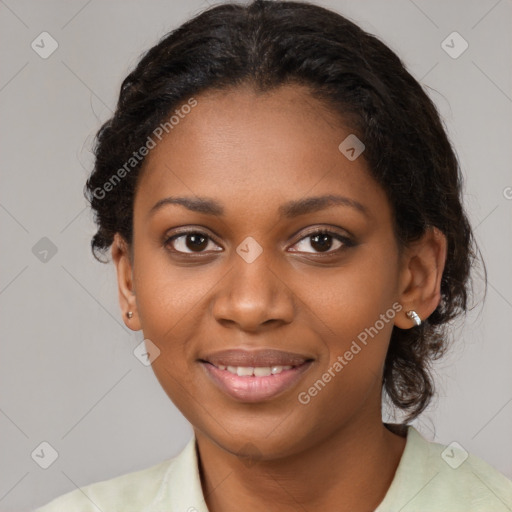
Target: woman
[{"x": 283, "y": 209}]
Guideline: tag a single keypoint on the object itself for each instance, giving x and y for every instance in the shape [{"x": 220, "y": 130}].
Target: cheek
[
  {"x": 168, "y": 304},
  {"x": 168, "y": 296},
  {"x": 350, "y": 298},
  {"x": 348, "y": 379},
  {"x": 354, "y": 314}
]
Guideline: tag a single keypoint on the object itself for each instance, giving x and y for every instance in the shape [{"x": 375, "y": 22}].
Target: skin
[{"x": 252, "y": 153}]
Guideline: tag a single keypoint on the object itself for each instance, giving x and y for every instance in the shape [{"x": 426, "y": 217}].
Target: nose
[{"x": 253, "y": 296}]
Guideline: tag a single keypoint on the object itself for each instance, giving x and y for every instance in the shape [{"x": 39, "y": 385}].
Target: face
[{"x": 253, "y": 270}]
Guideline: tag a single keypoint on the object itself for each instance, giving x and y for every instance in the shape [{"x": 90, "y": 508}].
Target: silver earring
[
  {"x": 129, "y": 314},
  {"x": 414, "y": 316}
]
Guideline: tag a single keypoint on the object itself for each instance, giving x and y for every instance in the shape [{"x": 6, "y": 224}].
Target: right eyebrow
[{"x": 199, "y": 204}]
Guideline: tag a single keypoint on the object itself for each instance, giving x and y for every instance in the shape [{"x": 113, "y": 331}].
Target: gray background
[{"x": 68, "y": 373}]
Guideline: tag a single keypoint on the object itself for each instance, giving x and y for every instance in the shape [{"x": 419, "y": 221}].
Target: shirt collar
[
  {"x": 413, "y": 468},
  {"x": 181, "y": 489}
]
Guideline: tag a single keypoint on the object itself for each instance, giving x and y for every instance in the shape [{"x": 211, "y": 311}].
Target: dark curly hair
[{"x": 267, "y": 44}]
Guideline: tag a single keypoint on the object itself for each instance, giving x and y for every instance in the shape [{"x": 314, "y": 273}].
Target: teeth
[
  {"x": 259, "y": 371},
  {"x": 278, "y": 369},
  {"x": 243, "y": 371},
  {"x": 263, "y": 371}
]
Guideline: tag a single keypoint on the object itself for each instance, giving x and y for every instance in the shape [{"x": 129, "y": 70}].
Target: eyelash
[{"x": 346, "y": 242}]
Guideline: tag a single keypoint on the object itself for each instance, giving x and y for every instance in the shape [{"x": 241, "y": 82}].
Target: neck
[{"x": 349, "y": 471}]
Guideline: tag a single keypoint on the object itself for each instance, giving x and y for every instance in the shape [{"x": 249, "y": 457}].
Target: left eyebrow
[
  {"x": 314, "y": 204},
  {"x": 289, "y": 210}
]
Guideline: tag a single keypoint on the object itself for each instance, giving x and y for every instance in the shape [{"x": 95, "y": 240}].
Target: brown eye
[
  {"x": 323, "y": 241},
  {"x": 190, "y": 242}
]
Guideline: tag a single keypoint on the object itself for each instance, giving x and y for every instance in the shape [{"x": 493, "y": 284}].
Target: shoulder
[
  {"x": 465, "y": 479},
  {"x": 129, "y": 492},
  {"x": 432, "y": 476}
]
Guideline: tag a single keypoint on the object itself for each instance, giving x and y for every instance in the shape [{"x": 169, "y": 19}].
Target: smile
[
  {"x": 255, "y": 383},
  {"x": 255, "y": 371}
]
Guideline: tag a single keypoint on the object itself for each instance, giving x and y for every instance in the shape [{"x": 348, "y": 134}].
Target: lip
[
  {"x": 260, "y": 357},
  {"x": 252, "y": 388}
]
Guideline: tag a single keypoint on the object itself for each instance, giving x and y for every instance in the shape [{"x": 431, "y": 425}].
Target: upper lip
[{"x": 255, "y": 358}]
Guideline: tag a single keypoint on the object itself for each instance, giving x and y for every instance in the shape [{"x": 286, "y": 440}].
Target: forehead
[{"x": 238, "y": 145}]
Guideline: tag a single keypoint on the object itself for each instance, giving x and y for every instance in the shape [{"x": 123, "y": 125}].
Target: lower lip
[{"x": 255, "y": 389}]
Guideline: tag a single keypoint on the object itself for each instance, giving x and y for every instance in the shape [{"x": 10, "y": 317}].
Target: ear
[
  {"x": 420, "y": 277},
  {"x": 127, "y": 300}
]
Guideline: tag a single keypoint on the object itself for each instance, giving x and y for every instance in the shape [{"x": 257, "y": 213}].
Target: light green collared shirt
[{"x": 430, "y": 478}]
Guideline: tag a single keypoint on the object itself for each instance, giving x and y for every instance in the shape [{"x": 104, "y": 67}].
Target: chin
[{"x": 259, "y": 440}]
